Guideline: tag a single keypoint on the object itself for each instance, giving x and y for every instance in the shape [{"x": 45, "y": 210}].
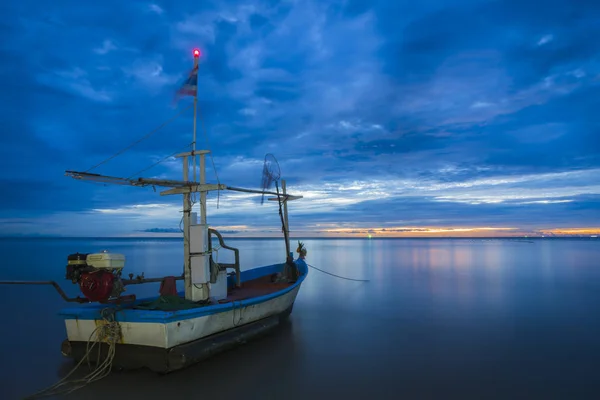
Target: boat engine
[{"x": 97, "y": 274}]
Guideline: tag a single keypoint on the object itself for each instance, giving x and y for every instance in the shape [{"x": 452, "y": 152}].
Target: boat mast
[
  {"x": 196, "y": 59},
  {"x": 195, "y": 240},
  {"x": 201, "y": 153}
]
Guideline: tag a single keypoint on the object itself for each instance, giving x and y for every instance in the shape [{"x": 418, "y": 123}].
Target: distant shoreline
[{"x": 179, "y": 238}]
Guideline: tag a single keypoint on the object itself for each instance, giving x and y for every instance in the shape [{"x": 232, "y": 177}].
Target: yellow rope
[{"x": 110, "y": 333}]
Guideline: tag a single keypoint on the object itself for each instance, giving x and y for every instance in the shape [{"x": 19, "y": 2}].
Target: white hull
[{"x": 171, "y": 334}]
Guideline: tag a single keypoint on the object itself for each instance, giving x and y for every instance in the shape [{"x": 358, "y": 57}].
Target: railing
[{"x": 235, "y": 265}]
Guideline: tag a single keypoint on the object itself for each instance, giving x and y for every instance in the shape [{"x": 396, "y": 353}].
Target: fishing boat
[{"x": 220, "y": 306}]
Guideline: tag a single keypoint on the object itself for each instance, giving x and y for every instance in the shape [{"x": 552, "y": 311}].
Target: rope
[
  {"x": 209, "y": 252},
  {"x": 213, "y": 250},
  {"x": 139, "y": 140},
  {"x": 110, "y": 333},
  {"x": 338, "y": 276}
]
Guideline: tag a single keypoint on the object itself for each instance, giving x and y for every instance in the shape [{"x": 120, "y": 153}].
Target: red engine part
[{"x": 97, "y": 285}]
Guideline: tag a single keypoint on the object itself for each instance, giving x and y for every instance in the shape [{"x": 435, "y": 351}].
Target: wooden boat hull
[
  {"x": 161, "y": 360},
  {"x": 164, "y": 341}
]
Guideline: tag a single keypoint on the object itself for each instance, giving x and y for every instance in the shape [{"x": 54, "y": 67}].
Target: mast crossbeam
[
  {"x": 127, "y": 181},
  {"x": 178, "y": 187}
]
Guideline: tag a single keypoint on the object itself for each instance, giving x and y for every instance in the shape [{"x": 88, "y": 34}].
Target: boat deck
[
  {"x": 257, "y": 286},
  {"x": 260, "y": 286}
]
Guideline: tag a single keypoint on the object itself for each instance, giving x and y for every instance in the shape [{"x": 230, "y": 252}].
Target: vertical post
[
  {"x": 196, "y": 55},
  {"x": 285, "y": 220},
  {"x": 197, "y": 287},
  {"x": 201, "y": 289},
  {"x": 203, "y": 193},
  {"x": 187, "y": 271}
]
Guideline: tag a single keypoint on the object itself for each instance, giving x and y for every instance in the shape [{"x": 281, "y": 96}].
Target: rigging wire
[
  {"x": 159, "y": 161},
  {"x": 142, "y": 138}
]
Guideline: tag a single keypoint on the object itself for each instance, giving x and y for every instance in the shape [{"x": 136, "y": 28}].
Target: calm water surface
[{"x": 438, "y": 319}]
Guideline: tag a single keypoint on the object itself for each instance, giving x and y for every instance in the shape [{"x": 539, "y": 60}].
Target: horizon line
[{"x": 374, "y": 237}]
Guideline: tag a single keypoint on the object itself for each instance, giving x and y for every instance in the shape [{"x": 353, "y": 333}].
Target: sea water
[{"x": 439, "y": 318}]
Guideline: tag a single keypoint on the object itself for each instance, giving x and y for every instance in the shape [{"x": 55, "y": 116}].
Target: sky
[{"x": 390, "y": 118}]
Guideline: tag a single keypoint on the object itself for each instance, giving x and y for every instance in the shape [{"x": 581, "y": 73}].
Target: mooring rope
[
  {"x": 338, "y": 276},
  {"x": 109, "y": 332}
]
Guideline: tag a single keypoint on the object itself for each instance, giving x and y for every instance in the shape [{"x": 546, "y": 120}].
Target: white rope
[
  {"x": 208, "y": 252},
  {"x": 110, "y": 333}
]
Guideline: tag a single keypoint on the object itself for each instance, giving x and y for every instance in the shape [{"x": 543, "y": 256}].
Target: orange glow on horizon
[
  {"x": 572, "y": 231},
  {"x": 411, "y": 231},
  {"x": 397, "y": 232}
]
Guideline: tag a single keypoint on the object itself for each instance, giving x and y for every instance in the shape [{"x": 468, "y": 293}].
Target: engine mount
[{"x": 97, "y": 274}]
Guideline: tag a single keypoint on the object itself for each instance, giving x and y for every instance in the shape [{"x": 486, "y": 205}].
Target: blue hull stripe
[{"x": 92, "y": 311}]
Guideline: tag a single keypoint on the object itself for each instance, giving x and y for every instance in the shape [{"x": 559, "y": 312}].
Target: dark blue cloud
[{"x": 380, "y": 112}]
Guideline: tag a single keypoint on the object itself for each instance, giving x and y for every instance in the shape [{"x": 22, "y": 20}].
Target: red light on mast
[{"x": 196, "y": 53}]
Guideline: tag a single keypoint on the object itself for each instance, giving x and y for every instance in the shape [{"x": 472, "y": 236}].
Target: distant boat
[{"x": 215, "y": 311}]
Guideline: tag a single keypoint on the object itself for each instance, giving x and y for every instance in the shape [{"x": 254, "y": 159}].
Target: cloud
[
  {"x": 545, "y": 39},
  {"x": 381, "y": 116},
  {"x": 150, "y": 74},
  {"x": 75, "y": 81},
  {"x": 107, "y": 47},
  {"x": 156, "y": 9}
]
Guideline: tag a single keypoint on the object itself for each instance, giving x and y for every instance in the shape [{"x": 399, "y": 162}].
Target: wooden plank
[{"x": 193, "y": 188}]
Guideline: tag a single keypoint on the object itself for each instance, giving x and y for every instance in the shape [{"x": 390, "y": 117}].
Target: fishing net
[{"x": 271, "y": 173}]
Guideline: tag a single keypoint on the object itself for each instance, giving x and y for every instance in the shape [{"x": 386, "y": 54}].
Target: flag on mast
[{"x": 190, "y": 86}]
